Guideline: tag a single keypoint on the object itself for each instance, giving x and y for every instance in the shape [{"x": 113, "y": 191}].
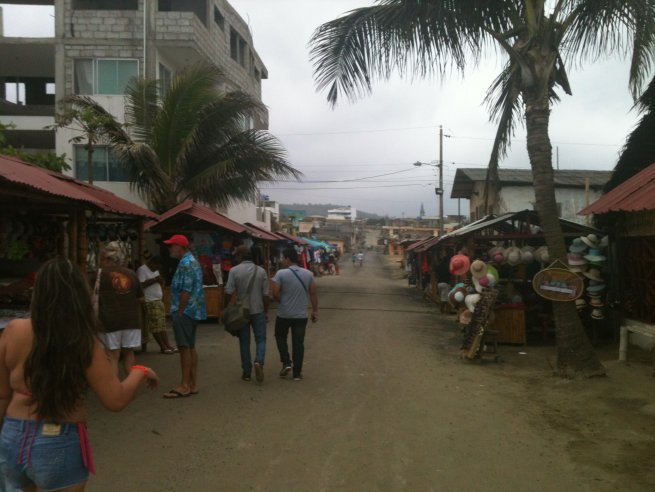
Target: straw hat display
[
  {"x": 580, "y": 303},
  {"x": 591, "y": 240},
  {"x": 497, "y": 254},
  {"x": 577, "y": 246},
  {"x": 465, "y": 317},
  {"x": 491, "y": 270},
  {"x": 457, "y": 294},
  {"x": 604, "y": 242},
  {"x": 596, "y": 302},
  {"x": 471, "y": 300},
  {"x": 596, "y": 286},
  {"x": 542, "y": 255},
  {"x": 593, "y": 274},
  {"x": 597, "y": 314},
  {"x": 527, "y": 254},
  {"x": 479, "y": 269},
  {"x": 513, "y": 256},
  {"x": 594, "y": 256},
  {"x": 578, "y": 268},
  {"x": 575, "y": 259},
  {"x": 459, "y": 264}
]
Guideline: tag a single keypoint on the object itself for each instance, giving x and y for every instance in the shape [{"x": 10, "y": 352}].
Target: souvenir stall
[
  {"x": 508, "y": 251},
  {"x": 44, "y": 214},
  {"x": 413, "y": 264},
  {"x": 265, "y": 249},
  {"x": 302, "y": 246},
  {"x": 213, "y": 238},
  {"x": 628, "y": 213}
]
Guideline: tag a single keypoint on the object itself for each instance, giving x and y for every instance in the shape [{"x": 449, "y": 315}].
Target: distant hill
[{"x": 322, "y": 208}]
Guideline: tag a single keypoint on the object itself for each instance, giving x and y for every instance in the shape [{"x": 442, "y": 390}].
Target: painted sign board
[{"x": 558, "y": 284}]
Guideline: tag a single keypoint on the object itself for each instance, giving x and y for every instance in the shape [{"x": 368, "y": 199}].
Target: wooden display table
[
  {"x": 509, "y": 322},
  {"x": 213, "y": 300}
]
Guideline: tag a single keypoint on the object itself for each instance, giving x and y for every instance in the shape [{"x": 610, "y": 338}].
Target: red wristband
[{"x": 143, "y": 369}]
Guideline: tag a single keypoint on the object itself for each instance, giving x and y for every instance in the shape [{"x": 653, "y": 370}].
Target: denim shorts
[
  {"x": 30, "y": 455},
  {"x": 184, "y": 329}
]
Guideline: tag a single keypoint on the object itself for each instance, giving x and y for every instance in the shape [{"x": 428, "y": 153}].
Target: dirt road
[{"x": 385, "y": 405}]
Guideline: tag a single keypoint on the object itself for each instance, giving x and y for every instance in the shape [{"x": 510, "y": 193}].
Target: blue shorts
[
  {"x": 30, "y": 454},
  {"x": 184, "y": 329}
]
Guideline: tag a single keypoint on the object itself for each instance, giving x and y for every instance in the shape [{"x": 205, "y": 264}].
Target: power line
[{"x": 357, "y": 188}]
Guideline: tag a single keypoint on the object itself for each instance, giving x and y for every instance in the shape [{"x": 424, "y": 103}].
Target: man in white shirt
[{"x": 152, "y": 283}]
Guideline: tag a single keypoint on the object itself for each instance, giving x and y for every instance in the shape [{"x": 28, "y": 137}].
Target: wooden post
[
  {"x": 586, "y": 198},
  {"x": 141, "y": 247},
  {"x": 72, "y": 236},
  {"x": 82, "y": 242}
]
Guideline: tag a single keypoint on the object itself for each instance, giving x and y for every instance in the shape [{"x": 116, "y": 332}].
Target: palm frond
[
  {"x": 598, "y": 28},
  {"x": 406, "y": 36},
  {"x": 141, "y": 108},
  {"x": 504, "y": 101},
  {"x": 216, "y": 124},
  {"x": 190, "y": 91},
  {"x": 231, "y": 172}
]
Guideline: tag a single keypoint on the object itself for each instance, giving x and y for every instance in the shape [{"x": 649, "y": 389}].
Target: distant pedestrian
[
  {"x": 187, "y": 308},
  {"x": 354, "y": 258},
  {"x": 360, "y": 258},
  {"x": 152, "y": 284},
  {"x": 121, "y": 307},
  {"x": 294, "y": 288},
  {"x": 47, "y": 365},
  {"x": 249, "y": 279}
]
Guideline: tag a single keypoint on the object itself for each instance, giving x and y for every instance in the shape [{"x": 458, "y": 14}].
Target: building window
[
  {"x": 50, "y": 88},
  {"x": 106, "y": 165},
  {"x": 218, "y": 18},
  {"x": 105, "y": 4},
  {"x": 165, "y": 77},
  {"x": 238, "y": 48},
  {"x": 234, "y": 45},
  {"x": 104, "y": 76}
]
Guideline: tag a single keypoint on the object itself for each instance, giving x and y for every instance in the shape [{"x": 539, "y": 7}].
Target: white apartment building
[
  {"x": 98, "y": 46},
  {"x": 342, "y": 214}
]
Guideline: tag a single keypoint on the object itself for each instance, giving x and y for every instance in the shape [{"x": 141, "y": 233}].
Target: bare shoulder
[{"x": 17, "y": 328}]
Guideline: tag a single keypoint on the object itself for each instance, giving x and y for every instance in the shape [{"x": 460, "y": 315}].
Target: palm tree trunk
[{"x": 575, "y": 354}]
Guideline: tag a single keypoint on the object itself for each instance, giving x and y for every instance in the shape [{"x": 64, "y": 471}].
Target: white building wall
[
  {"x": 243, "y": 212},
  {"x": 571, "y": 200}
]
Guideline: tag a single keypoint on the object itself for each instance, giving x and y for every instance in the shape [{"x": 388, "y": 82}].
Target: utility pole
[{"x": 441, "y": 230}]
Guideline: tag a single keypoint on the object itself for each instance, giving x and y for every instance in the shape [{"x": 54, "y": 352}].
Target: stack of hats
[{"x": 585, "y": 256}]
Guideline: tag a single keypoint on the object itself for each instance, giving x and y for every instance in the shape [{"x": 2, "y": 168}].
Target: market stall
[
  {"x": 213, "y": 238},
  {"x": 44, "y": 214},
  {"x": 512, "y": 247}
]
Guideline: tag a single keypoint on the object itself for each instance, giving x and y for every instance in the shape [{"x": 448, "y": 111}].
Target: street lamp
[{"x": 438, "y": 191}]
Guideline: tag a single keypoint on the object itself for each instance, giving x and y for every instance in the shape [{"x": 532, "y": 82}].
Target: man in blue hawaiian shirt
[{"x": 187, "y": 308}]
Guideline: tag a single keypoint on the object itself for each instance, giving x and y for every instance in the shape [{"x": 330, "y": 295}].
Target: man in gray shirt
[
  {"x": 294, "y": 287},
  {"x": 237, "y": 286}
]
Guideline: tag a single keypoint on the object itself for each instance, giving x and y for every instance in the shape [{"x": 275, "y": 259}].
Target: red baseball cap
[{"x": 179, "y": 240}]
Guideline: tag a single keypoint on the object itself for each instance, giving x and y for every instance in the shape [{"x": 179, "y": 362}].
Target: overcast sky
[{"x": 398, "y": 124}]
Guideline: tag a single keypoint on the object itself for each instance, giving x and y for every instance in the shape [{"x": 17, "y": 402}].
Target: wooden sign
[{"x": 558, "y": 284}]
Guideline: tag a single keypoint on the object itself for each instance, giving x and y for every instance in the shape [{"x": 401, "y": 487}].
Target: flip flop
[
  {"x": 168, "y": 351},
  {"x": 173, "y": 394}
]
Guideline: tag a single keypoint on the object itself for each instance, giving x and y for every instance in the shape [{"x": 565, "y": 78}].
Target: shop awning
[
  {"x": 22, "y": 176},
  {"x": 259, "y": 233},
  {"x": 418, "y": 243},
  {"x": 189, "y": 216},
  {"x": 426, "y": 245},
  {"x": 634, "y": 195},
  {"x": 288, "y": 237},
  {"x": 503, "y": 226}
]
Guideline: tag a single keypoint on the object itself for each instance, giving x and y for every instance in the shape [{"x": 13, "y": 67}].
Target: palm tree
[
  {"x": 538, "y": 38},
  {"x": 192, "y": 142}
]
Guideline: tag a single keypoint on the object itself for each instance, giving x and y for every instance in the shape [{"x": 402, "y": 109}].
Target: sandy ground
[{"x": 385, "y": 405}]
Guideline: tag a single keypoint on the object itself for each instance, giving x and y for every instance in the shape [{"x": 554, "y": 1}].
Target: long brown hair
[{"x": 65, "y": 329}]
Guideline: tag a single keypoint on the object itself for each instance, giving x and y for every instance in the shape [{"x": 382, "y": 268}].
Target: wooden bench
[{"x": 632, "y": 326}]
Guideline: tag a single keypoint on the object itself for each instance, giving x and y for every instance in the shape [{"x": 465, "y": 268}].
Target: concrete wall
[
  {"x": 517, "y": 198},
  {"x": 243, "y": 212}
]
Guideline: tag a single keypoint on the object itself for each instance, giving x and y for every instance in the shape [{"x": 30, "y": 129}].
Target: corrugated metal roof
[
  {"x": 194, "y": 210},
  {"x": 418, "y": 243},
  {"x": 289, "y": 237},
  {"x": 564, "y": 178},
  {"x": 532, "y": 216},
  {"x": 20, "y": 173},
  {"x": 633, "y": 195},
  {"x": 260, "y": 233},
  {"x": 426, "y": 245}
]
